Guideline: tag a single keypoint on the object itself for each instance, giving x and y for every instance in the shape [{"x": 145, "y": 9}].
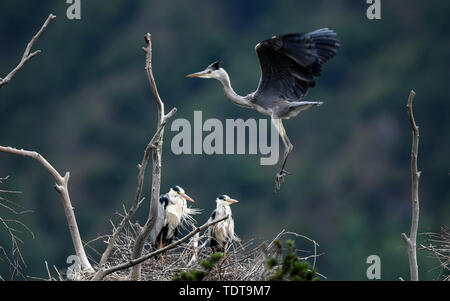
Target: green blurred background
[{"x": 85, "y": 104}]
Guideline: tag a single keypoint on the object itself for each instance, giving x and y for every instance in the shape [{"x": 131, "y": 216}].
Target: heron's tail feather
[{"x": 297, "y": 106}]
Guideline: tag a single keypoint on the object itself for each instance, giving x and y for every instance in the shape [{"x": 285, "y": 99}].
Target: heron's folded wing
[
  {"x": 160, "y": 219},
  {"x": 210, "y": 231}
]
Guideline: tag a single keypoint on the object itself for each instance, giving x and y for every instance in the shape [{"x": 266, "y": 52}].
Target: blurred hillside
[{"x": 84, "y": 103}]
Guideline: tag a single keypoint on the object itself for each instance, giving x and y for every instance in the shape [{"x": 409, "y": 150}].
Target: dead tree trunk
[
  {"x": 415, "y": 175},
  {"x": 156, "y": 148}
]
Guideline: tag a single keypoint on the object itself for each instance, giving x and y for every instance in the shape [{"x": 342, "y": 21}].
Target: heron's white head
[
  {"x": 179, "y": 206},
  {"x": 177, "y": 193},
  {"x": 225, "y": 200},
  {"x": 212, "y": 71}
]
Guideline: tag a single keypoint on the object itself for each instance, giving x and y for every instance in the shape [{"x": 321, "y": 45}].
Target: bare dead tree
[
  {"x": 27, "y": 55},
  {"x": 415, "y": 175},
  {"x": 61, "y": 184},
  {"x": 155, "y": 147}
]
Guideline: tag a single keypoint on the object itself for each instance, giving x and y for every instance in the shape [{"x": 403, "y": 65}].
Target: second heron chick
[{"x": 222, "y": 233}]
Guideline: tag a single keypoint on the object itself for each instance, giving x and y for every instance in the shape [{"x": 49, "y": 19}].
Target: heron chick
[
  {"x": 289, "y": 65},
  {"x": 172, "y": 213},
  {"x": 222, "y": 233}
]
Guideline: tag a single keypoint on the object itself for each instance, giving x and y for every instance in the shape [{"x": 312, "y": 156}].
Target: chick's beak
[{"x": 185, "y": 196}]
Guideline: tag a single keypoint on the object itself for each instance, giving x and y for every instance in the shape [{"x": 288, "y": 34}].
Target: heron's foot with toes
[{"x": 279, "y": 179}]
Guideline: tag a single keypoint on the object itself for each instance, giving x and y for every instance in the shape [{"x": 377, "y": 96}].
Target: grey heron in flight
[
  {"x": 289, "y": 64},
  {"x": 173, "y": 212},
  {"x": 222, "y": 233}
]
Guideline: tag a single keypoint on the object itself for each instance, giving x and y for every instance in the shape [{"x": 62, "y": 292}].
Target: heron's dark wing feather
[
  {"x": 290, "y": 62},
  {"x": 214, "y": 244},
  {"x": 160, "y": 219},
  {"x": 212, "y": 218}
]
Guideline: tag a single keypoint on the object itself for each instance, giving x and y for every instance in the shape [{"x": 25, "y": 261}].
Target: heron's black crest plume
[
  {"x": 222, "y": 197},
  {"x": 215, "y": 65},
  {"x": 176, "y": 188}
]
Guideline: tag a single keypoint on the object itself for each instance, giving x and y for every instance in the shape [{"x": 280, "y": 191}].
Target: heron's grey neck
[{"x": 230, "y": 94}]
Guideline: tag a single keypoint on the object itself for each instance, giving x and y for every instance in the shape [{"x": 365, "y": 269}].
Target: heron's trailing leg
[{"x": 279, "y": 179}]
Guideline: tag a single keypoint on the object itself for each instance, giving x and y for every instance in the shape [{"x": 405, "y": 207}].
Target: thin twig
[
  {"x": 27, "y": 55},
  {"x": 439, "y": 248},
  {"x": 48, "y": 271},
  {"x": 314, "y": 243}
]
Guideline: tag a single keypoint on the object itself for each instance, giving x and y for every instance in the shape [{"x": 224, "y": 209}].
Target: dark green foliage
[
  {"x": 291, "y": 268},
  {"x": 199, "y": 275}
]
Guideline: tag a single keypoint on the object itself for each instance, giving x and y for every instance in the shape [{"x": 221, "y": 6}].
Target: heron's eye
[{"x": 209, "y": 71}]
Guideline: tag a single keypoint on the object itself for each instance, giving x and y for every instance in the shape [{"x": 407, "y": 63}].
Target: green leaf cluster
[
  {"x": 288, "y": 267},
  {"x": 198, "y": 275}
]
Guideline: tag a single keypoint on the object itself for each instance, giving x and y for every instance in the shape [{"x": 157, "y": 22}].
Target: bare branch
[
  {"x": 101, "y": 273},
  {"x": 27, "y": 55},
  {"x": 311, "y": 240},
  {"x": 260, "y": 266},
  {"x": 155, "y": 147},
  {"x": 61, "y": 187},
  {"x": 415, "y": 175}
]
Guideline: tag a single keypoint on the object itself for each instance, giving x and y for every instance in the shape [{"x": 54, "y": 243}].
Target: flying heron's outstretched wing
[
  {"x": 160, "y": 219},
  {"x": 290, "y": 62}
]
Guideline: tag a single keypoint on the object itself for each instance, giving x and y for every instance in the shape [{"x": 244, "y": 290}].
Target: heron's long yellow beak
[
  {"x": 231, "y": 201},
  {"x": 197, "y": 74},
  {"x": 185, "y": 196}
]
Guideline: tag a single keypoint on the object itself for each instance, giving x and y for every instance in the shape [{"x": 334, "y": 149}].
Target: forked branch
[
  {"x": 155, "y": 148},
  {"x": 27, "y": 55},
  {"x": 61, "y": 186}
]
